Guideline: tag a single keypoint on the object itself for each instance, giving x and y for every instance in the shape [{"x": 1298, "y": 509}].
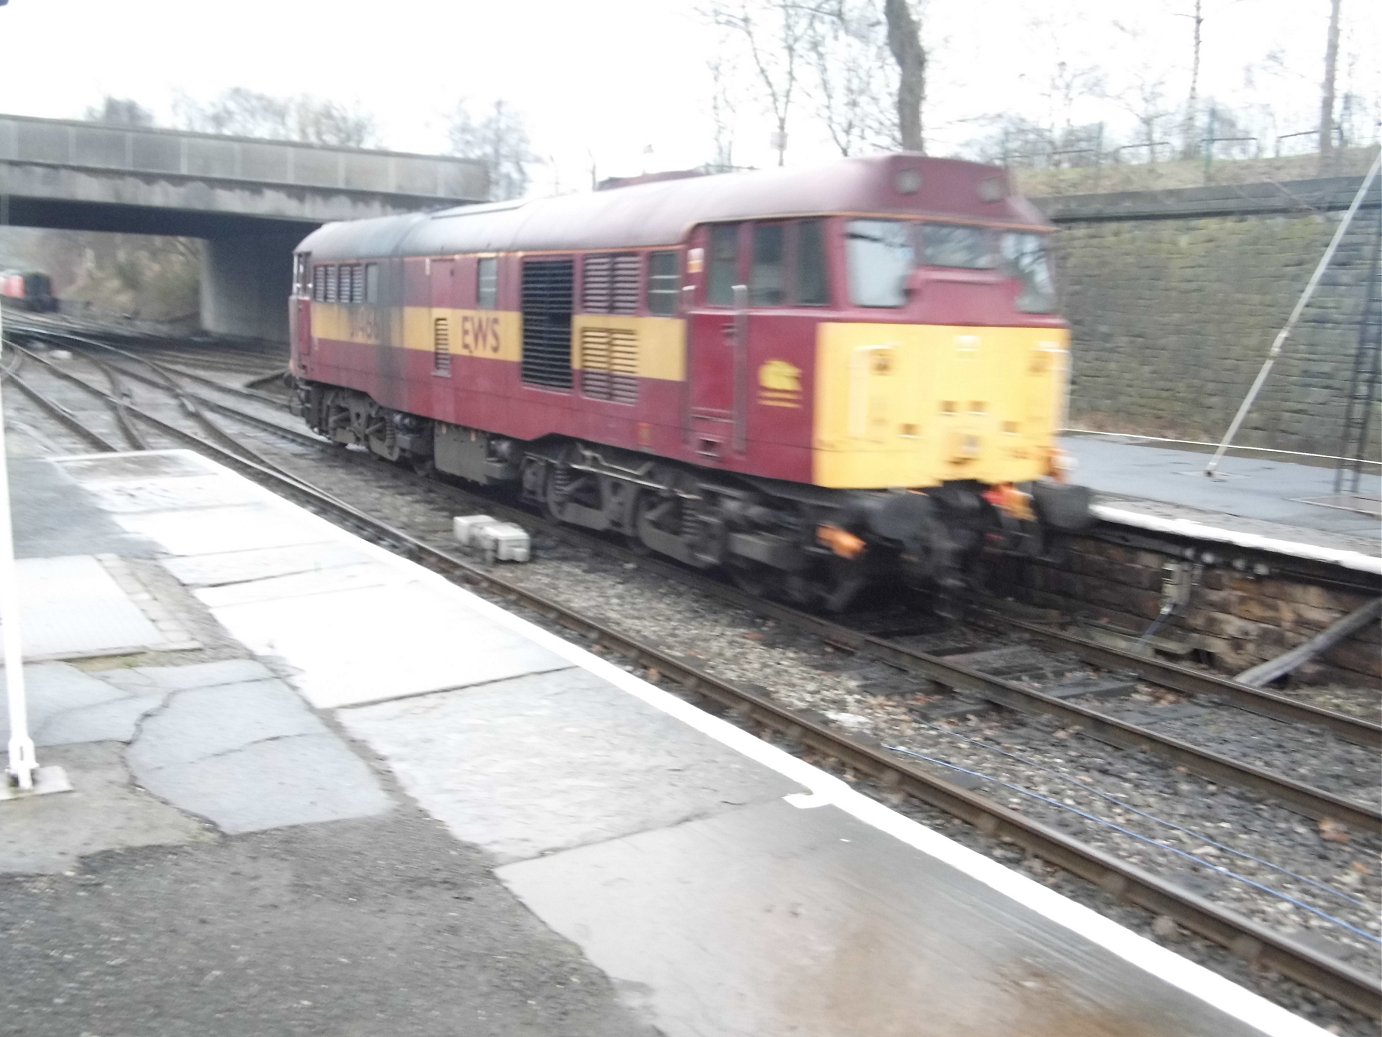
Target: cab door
[
  {"x": 717, "y": 348},
  {"x": 300, "y": 309}
]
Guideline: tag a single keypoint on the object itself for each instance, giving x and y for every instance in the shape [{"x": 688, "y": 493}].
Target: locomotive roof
[{"x": 664, "y": 212}]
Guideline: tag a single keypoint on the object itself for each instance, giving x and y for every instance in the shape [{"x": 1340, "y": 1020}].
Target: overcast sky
[{"x": 606, "y": 80}]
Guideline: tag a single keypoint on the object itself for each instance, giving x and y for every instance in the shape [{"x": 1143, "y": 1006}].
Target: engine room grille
[
  {"x": 610, "y": 283},
  {"x": 441, "y": 346},
  {"x": 609, "y": 364},
  {"x": 546, "y": 302}
]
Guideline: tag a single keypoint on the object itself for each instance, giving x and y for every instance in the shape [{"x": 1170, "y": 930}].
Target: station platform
[
  {"x": 319, "y": 789},
  {"x": 1257, "y": 502}
]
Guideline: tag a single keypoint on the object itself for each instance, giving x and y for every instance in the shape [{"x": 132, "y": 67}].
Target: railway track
[{"x": 889, "y": 769}]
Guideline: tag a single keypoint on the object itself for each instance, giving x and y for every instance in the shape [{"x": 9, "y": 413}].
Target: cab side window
[
  {"x": 789, "y": 264},
  {"x": 767, "y": 280},
  {"x": 811, "y": 287},
  {"x": 724, "y": 264},
  {"x": 487, "y": 284},
  {"x": 664, "y": 283}
]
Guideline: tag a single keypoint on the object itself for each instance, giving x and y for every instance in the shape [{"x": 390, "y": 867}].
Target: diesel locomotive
[
  {"x": 30, "y": 290},
  {"x": 815, "y": 380}
]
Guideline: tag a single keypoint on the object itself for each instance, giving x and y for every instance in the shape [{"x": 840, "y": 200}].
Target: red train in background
[
  {"x": 28, "y": 291},
  {"x": 813, "y": 379}
]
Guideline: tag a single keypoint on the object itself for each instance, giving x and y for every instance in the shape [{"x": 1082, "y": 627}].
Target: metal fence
[{"x": 1219, "y": 151}]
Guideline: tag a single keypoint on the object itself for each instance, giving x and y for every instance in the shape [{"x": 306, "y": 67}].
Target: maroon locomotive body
[{"x": 807, "y": 377}]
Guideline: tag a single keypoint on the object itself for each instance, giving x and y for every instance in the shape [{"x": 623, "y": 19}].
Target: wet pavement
[
  {"x": 1259, "y": 495},
  {"x": 390, "y": 807}
]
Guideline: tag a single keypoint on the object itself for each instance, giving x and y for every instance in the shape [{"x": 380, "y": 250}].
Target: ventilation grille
[
  {"x": 547, "y": 322},
  {"x": 609, "y": 283},
  {"x": 441, "y": 345},
  {"x": 609, "y": 365}
]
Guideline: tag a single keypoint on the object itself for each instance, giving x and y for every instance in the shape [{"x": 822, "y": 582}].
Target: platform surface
[
  {"x": 512, "y": 835},
  {"x": 1260, "y": 495}
]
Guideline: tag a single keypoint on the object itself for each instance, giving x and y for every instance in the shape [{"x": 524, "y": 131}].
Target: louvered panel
[
  {"x": 623, "y": 366},
  {"x": 546, "y": 303},
  {"x": 441, "y": 345},
  {"x": 595, "y": 284},
  {"x": 595, "y": 377},
  {"x": 625, "y": 284}
]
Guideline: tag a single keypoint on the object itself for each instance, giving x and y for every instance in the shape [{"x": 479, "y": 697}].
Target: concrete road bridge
[{"x": 250, "y": 200}]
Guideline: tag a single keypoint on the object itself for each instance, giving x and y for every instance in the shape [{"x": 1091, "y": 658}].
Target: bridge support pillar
[{"x": 245, "y": 284}]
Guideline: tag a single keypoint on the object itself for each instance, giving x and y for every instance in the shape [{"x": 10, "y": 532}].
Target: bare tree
[
  {"x": 499, "y": 139},
  {"x": 904, "y": 40},
  {"x": 246, "y": 113},
  {"x": 775, "y": 33},
  {"x": 120, "y": 111},
  {"x": 1189, "y": 138},
  {"x": 1014, "y": 141},
  {"x": 1141, "y": 89},
  {"x": 721, "y": 110},
  {"x": 852, "y": 69},
  {"x": 1331, "y": 59}
]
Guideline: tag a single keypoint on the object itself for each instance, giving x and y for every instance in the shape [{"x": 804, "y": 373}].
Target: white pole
[
  {"x": 22, "y": 763},
  {"x": 1285, "y": 332}
]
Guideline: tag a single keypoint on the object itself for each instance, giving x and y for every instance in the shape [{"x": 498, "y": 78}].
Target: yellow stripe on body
[
  {"x": 902, "y": 405},
  {"x": 660, "y": 342}
]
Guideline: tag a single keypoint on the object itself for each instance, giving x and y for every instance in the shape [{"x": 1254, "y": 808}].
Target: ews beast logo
[
  {"x": 779, "y": 384},
  {"x": 479, "y": 334}
]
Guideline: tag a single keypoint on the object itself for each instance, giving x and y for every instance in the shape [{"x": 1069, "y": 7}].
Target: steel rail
[
  {"x": 1194, "y": 682},
  {"x": 121, "y": 401},
  {"x": 1307, "y": 799},
  {"x": 1243, "y": 937},
  {"x": 202, "y": 400},
  {"x": 58, "y": 412}
]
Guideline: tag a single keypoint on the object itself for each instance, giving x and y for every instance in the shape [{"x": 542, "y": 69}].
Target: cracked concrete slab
[
  {"x": 114, "y": 721},
  {"x": 293, "y": 780},
  {"x": 537, "y": 764},
  {"x": 67, "y": 705},
  {"x": 249, "y": 757},
  {"x": 206, "y": 722},
  {"x": 50, "y": 834}
]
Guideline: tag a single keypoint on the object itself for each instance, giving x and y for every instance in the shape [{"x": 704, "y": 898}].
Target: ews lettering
[{"x": 479, "y": 334}]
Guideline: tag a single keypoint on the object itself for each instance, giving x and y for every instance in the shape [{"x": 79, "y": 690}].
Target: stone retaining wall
[{"x": 1175, "y": 298}]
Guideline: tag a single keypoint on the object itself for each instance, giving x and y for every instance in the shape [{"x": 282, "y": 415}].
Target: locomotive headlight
[{"x": 1060, "y": 464}]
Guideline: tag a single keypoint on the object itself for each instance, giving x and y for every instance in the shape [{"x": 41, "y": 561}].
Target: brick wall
[{"x": 1175, "y": 297}]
